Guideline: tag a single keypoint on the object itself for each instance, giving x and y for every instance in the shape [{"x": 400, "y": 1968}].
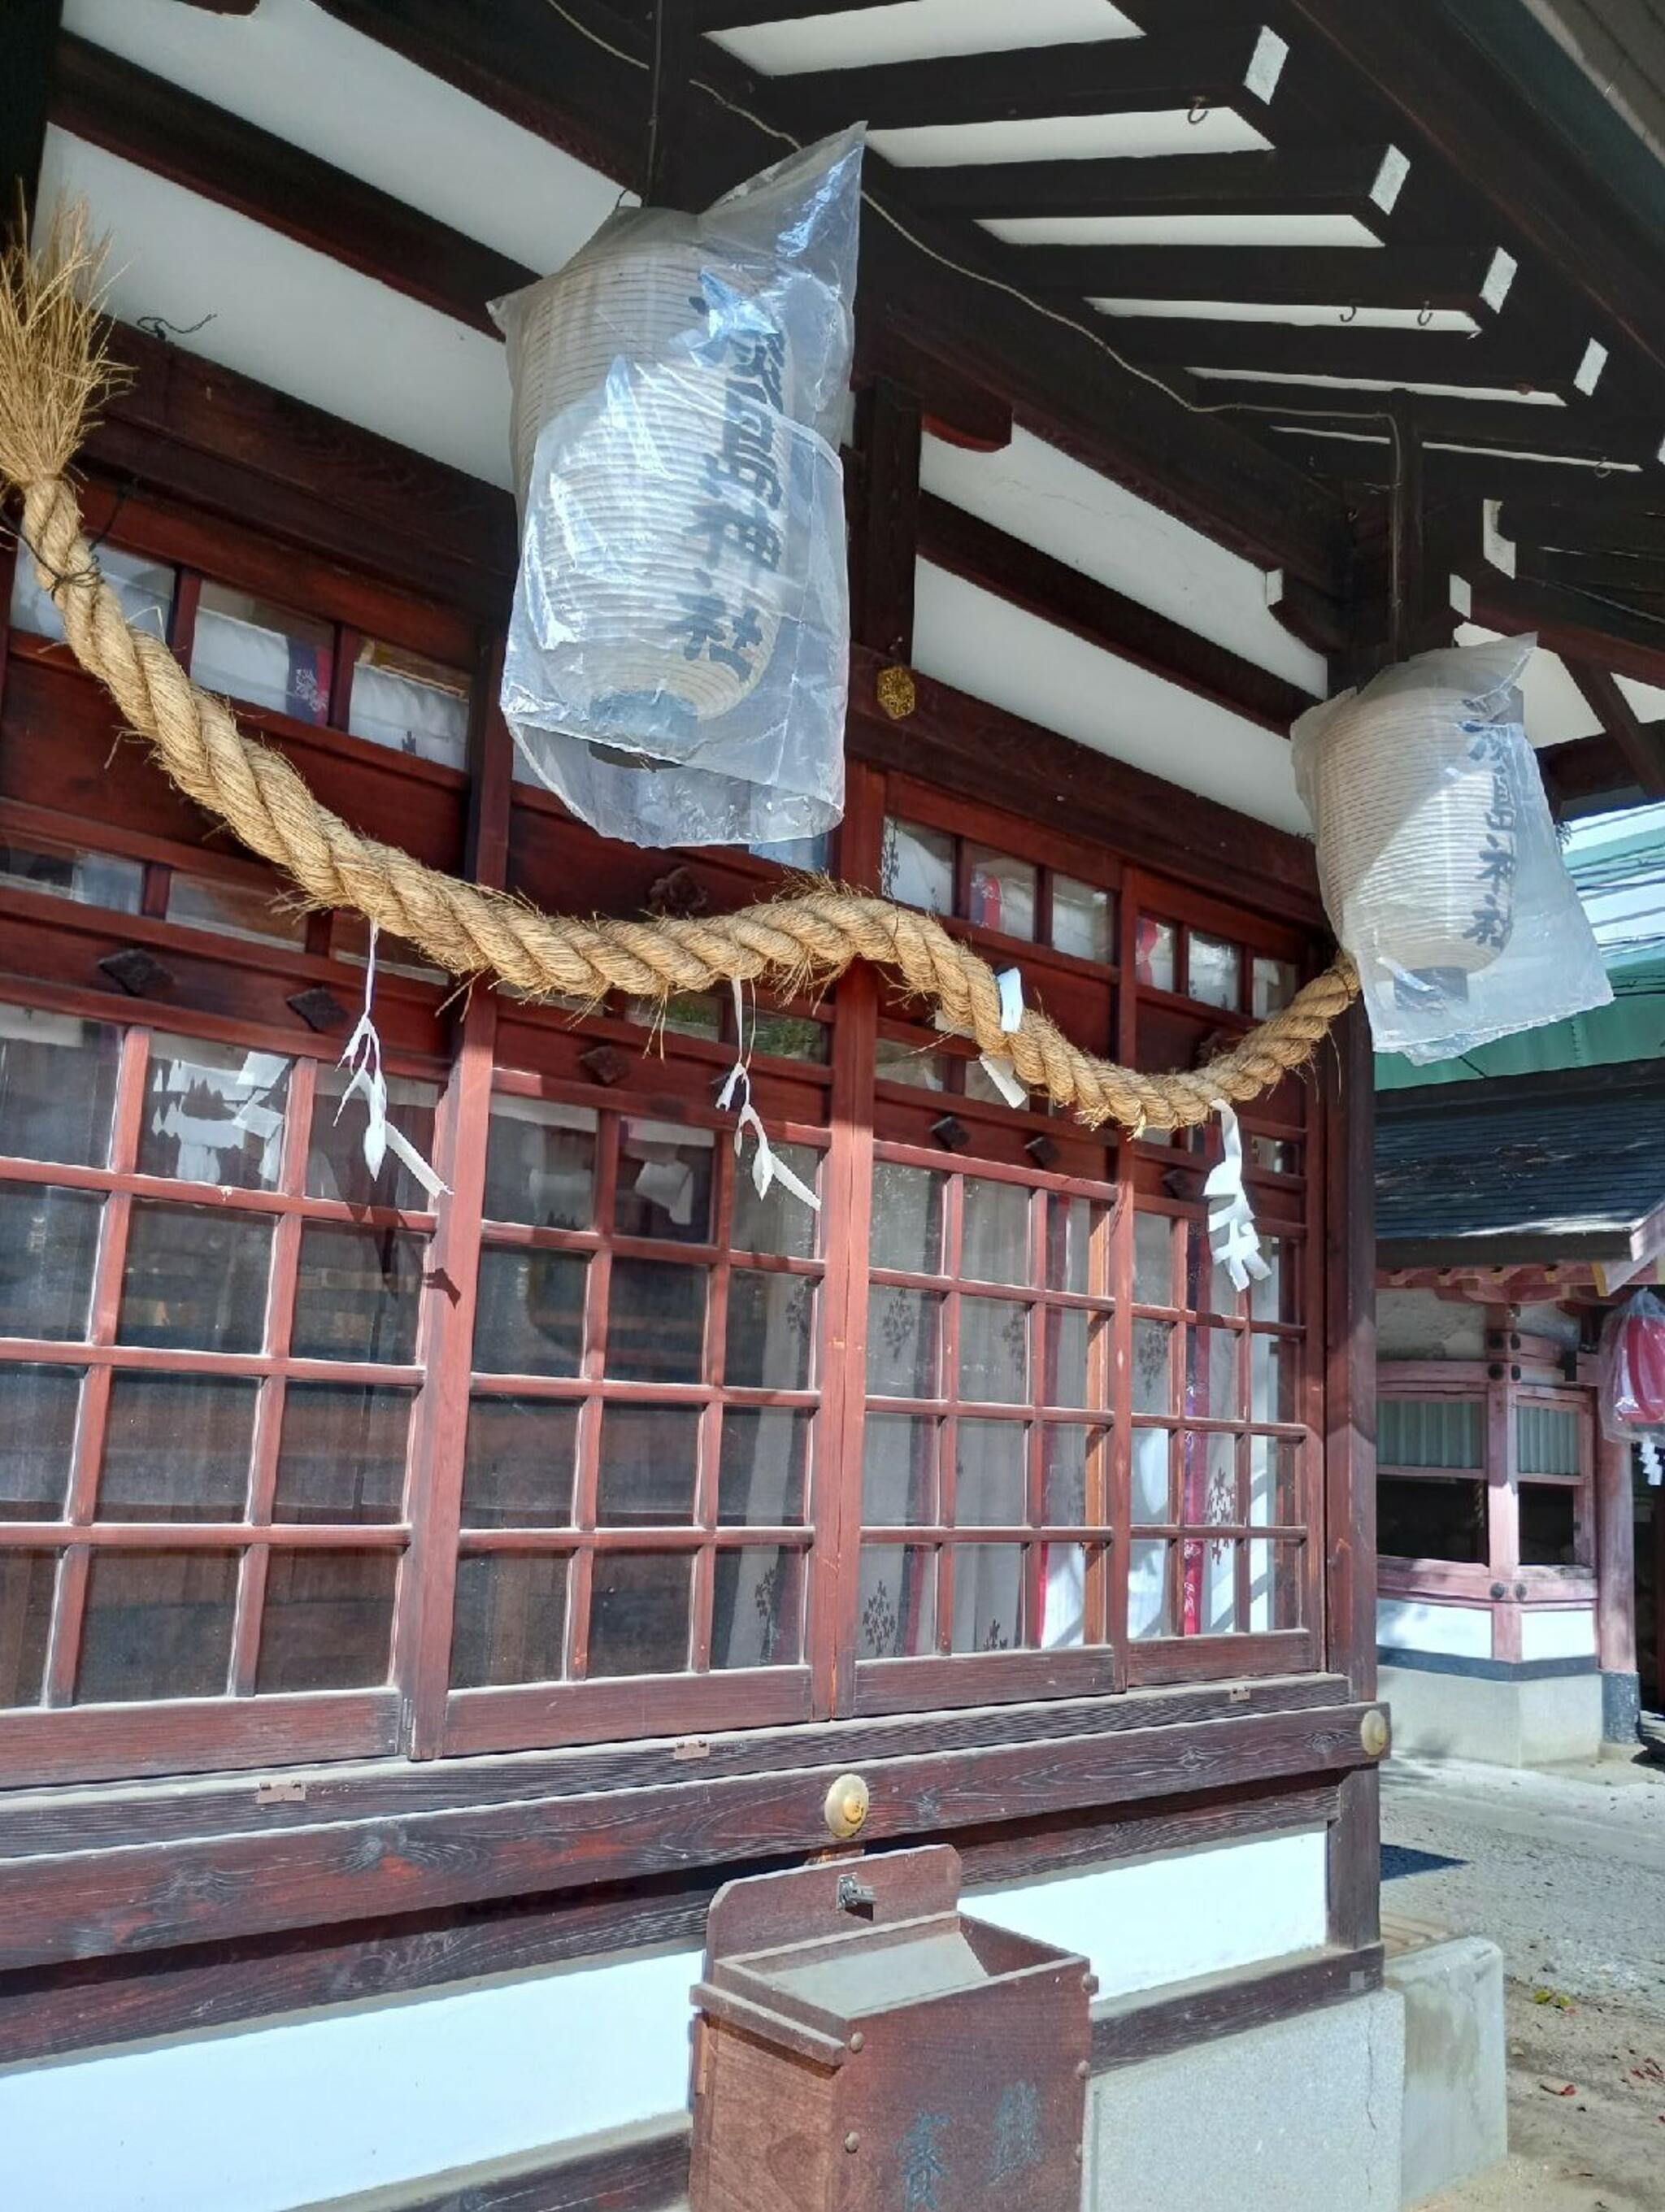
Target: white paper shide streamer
[
  {"x": 363, "y": 1057},
  {"x": 1232, "y": 1235},
  {"x": 766, "y": 1169}
]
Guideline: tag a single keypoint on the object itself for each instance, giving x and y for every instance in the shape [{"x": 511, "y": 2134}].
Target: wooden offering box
[{"x": 863, "y": 2047}]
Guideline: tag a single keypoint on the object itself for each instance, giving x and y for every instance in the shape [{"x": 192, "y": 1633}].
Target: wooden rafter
[
  {"x": 1598, "y": 632},
  {"x": 1641, "y": 744},
  {"x": 1339, "y": 180},
  {"x": 1496, "y": 356},
  {"x": 1295, "y": 275}
]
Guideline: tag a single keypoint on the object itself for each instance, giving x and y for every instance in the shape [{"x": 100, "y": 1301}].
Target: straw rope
[{"x": 50, "y": 346}]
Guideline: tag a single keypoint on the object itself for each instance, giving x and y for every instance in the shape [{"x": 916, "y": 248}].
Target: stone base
[
  {"x": 1456, "y": 2113},
  {"x": 1621, "y": 1709},
  {"x": 1304, "y": 2115},
  {"x": 1547, "y": 1712}
]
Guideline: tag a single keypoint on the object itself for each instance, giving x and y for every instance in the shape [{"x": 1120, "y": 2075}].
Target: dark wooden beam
[
  {"x": 1640, "y": 745},
  {"x": 222, "y": 7},
  {"x": 160, "y": 127},
  {"x": 28, "y": 40},
  {"x": 1500, "y": 356},
  {"x": 1595, "y": 521},
  {"x": 1080, "y": 603},
  {"x": 1449, "y": 96},
  {"x": 1302, "y": 180},
  {"x": 1359, "y": 464},
  {"x": 885, "y": 526},
  {"x": 1585, "y": 432},
  {"x": 1579, "y": 626},
  {"x": 1170, "y": 69},
  {"x": 1629, "y": 577},
  {"x": 528, "y": 62},
  {"x": 1588, "y": 777},
  {"x": 1279, "y": 276}
]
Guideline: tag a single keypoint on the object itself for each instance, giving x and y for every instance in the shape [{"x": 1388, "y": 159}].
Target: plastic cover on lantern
[
  {"x": 1632, "y": 1367},
  {"x": 677, "y": 657},
  {"x": 1438, "y": 859}
]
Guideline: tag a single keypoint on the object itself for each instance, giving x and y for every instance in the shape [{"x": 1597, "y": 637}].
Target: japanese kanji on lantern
[
  {"x": 1439, "y": 861},
  {"x": 678, "y": 656}
]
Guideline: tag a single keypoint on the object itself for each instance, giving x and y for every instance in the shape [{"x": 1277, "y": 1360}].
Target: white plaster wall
[
  {"x": 1564, "y": 1633},
  {"x": 1461, "y": 1632},
  {"x": 985, "y": 646},
  {"x": 1422, "y": 1325},
  {"x": 1035, "y": 492},
  {"x": 276, "y": 2116},
  {"x": 290, "y": 316}
]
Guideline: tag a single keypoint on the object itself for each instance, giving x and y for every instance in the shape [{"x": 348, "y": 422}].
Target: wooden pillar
[
  {"x": 1615, "y": 1558},
  {"x": 884, "y": 520},
  {"x": 1503, "y": 1500},
  {"x": 1406, "y": 563}
]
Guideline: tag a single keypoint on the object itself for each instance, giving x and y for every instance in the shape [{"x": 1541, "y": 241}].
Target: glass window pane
[
  {"x": 1153, "y": 1461},
  {"x": 48, "y": 1244},
  {"x": 665, "y": 1182},
  {"x": 685, "y": 1013},
  {"x": 639, "y": 1612},
  {"x": 359, "y": 1294},
  {"x": 991, "y": 1474},
  {"x": 1002, "y": 893},
  {"x": 510, "y": 1621},
  {"x": 518, "y": 1464},
  {"x": 1215, "y": 970},
  {"x": 763, "y": 1474},
  {"x": 411, "y": 704},
  {"x": 350, "y": 941},
  {"x": 1274, "y": 1588},
  {"x": 916, "y": 867},
  {"x": 917, "y": 1066},
  {"x": 656, "y": 1322},
  {"x": 1154, "y": 1386},
  {"x": 1082, "y": 920},
  {"x": 38, "y": 1411},
  {"x": 84, "y": 878},
  {"x": 1272, "y": 1376},
  {"x": 994, "y": 1350},
  {"x": 1429, "y": 1432},
  {"x": 1210, "y": 1465},
  {"x": 979, "y": 1084},
  {"x": 27, "y": 1582},
  {"x": 1549, "y": 1524},
  {"x": 1064, "y": 1474},
  {"x": 1077, "y": 1358},
  {"x": 1274, "y": 1156},
  {"x": 213, "y": 1114},
  {"x": 540, "y": 1164},
  {"x": 1063, "y": 1624},
  {"x": 1547, "y": 1439},
  {"x": 899, "y": 1470},
  {"x": 252, "y": 650},
  {"x": 988, "y": 1597},
  {"x": 1069, "y": 1244},
  {"x": 196, "y": 1279},
  {"x": 757, "y": 1607},
  {"x": 907, "y": 1217},
  {"x": 177, "y": 1449},
  {"x": 1430, "y": 1517},
  {"x": 1274, "y": 984},
  {"x": 342, "y": 1456},
  {"x": 145, "y": 589},
  {"x": 530, "y": 1316},
  {"x": 240, "y": 910},
  {"x": 771, "y": 1330},
  {"x": 57, "y": 1087},
  {"x": 778, "y": 1222},
  {"x": 1274, "y": 1481},
  {"x": 1211, "y": 1376},
  {"x": 1155, "y": 954},
  {"x": 336, "y": 1166},
  {"x": 1208, "y": 1286},
  {"x": 1150, "y": 1601},
  {"x": 791, "y": 1037},
  {"x": 157, "y": 1625},
  {"x": 1279, "y": 1296},
  {"x": 1209, "y": 1572},
  {"x": 1153, "y": 1259},
  {"x": 650, "y": 1461},
  {"x": 327, "y": 1622},
  {"x": 995, "y": 1232},
  {"x": 897, "y": 1602},
  {"x": 904, "y": 1342}
]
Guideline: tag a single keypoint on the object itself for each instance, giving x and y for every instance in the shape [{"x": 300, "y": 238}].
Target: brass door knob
[{"x": 847, "y": 1806}]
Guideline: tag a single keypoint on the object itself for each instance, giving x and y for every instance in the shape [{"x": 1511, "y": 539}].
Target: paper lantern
[{"x": 678, "y": 655}]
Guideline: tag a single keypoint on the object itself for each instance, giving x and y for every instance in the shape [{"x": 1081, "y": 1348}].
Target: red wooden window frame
[{"x": 234, "y": 989}]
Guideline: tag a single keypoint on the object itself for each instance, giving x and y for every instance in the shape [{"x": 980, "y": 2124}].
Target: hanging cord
[
  {"x": 54, "y": 368},
  {"x": 650, "y": 184}
]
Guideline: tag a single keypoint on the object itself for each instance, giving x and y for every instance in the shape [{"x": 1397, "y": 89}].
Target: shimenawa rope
[{"x": 54, "y": 370}]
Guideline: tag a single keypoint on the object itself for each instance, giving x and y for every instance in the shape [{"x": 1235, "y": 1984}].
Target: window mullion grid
[
  {"x": 1111, "y": 1268},
  {"x": 597, "y": 1289},
  {"x": 948, "y": 1352},
  {"x": 715, "y": 1368},
  {"x": 1040, "y": 1323},
  {"x": 67, "y": 1612},
  {"x": 285, "y": 1274}
]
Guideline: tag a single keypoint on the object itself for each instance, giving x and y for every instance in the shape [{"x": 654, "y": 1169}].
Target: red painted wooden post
[{"x": 1615, "y": 1558}]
